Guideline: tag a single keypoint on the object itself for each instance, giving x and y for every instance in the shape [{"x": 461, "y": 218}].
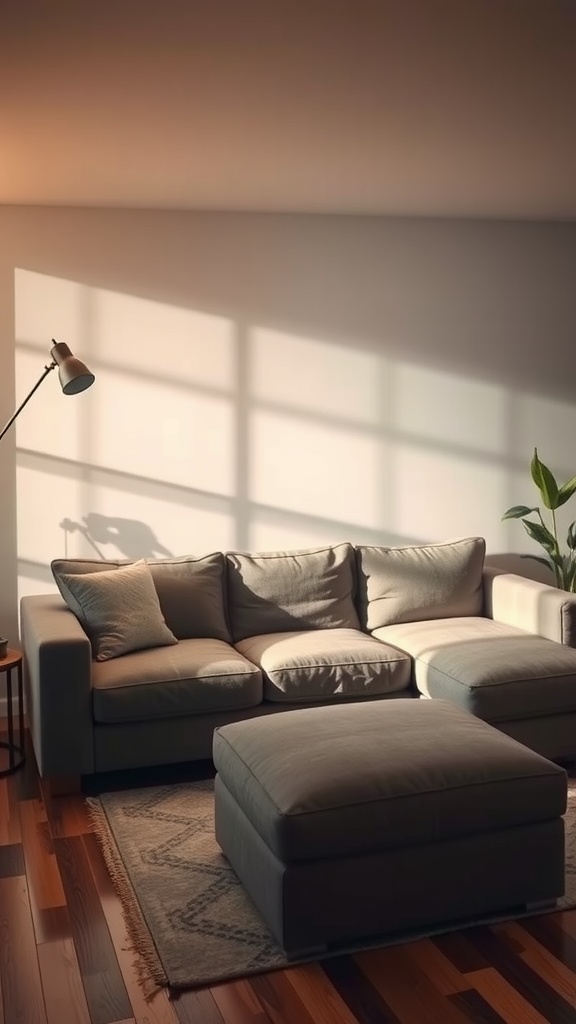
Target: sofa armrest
[
  {"x": 57, "y": 678},
  {"x": 530, "y": 605}
]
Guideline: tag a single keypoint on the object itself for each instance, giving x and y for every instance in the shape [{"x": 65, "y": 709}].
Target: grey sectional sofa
[{"x": 135, "y": 664}]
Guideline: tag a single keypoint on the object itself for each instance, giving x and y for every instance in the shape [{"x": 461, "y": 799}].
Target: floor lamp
[
  {"x": 74, "y": 377},
  {"x": 73, "y": 373}
]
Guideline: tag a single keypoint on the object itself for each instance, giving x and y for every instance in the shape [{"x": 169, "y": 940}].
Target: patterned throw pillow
[{"x": 118, "y": 608}]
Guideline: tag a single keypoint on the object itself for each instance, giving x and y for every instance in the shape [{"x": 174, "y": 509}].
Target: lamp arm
[{"x": 28, "y": 397}]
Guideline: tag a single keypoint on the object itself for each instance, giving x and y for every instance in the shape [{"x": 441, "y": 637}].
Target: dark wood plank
[
  {"x": 540, "y": 959},
  {"x": 105, "y": 989},
  {"x": 19, "y": 970},
  {"x": 461, "y": 953},
  {"x": 67, "y": 816},
  {"x": 9, "y": 816},
  {"x": 563, "y": 919},
  {"x": 12, "y": 861},
  {"x": 44, "y": 883},
  {"x": 475, "y": 1008},
  {"x": 197, "y": 1008},
  {"x": 406, "y": 989},
  {"x": 153, "y": 1008},
  {"x": 438, "y": 968},
  {"x": 238, "y": 1004},
  {"x": 552, "y": 933},
  {"x": 534, "y": 989},
  {"x": 324, "y": 1004},
  {"x": 357, "y": 992},
  {"x": 103, "y": 996},
  {"x": 52, "y": 924},
  {"x": 26, "y": 780},
  {"x": 279, "y": 999},
  {"x": 503, "y": 998},
  {"x": 62, "y": 984}
]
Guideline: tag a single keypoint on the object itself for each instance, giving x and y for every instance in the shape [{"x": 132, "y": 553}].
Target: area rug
[{"x": 189, "y": 918}]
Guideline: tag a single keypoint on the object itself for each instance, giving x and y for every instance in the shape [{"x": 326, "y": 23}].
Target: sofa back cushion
[
  {"x": 431, "y": 581},
  {"x": 284, "y": 591},
  {"x": 190, "y": 591}
]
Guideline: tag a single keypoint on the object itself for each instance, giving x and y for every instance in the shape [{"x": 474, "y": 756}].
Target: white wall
[{"x": 268, "y": 381}]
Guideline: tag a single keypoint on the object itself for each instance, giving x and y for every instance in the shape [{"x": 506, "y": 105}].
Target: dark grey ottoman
[{"x": 353, "y": 822}]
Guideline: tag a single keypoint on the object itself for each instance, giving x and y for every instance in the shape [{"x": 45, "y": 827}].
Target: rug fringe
[{"x": 147, "y": 964}]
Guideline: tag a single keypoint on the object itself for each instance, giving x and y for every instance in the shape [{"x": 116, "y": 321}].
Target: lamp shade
[{"x": 73, "y": 373}]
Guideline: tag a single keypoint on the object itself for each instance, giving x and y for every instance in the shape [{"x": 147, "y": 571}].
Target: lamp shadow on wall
[{"x": 130, "y": 537}]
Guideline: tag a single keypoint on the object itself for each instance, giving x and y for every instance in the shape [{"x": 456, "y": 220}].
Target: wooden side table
[{"x": 16, "y": 753}]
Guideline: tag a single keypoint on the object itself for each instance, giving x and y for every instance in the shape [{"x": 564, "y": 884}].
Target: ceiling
[{"x": 417, "y": 107}]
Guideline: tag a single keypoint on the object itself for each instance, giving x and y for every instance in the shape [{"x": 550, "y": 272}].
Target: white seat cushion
[{"x": 495, "y": 671}]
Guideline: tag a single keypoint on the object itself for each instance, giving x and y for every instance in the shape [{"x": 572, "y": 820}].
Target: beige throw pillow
[
  {"x": 430, "y": 581},
  {"x": 118, "y": 608}
]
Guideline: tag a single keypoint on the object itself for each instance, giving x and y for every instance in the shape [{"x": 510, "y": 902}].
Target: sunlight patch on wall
[
  {"x": 31, "y": 584},
  {"x": 158, "y": 426},
  {"x": 170, "y": 434},
  {"x": 441, "y": 496},
  {"x": 316, "y": 377},
  {"x": 166, "y": 343},
  {"x": 204, "y": 434},
  {"x": 448, "y": 409},
  {"x": 308, "y": 467}
]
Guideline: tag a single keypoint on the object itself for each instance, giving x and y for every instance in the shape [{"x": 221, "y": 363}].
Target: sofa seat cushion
[
  {"x": 316, "y": 664},
  {"x": 495, "y": 671},
  {"x": 193, "y": 677},
  {"x": 338, "y": 781}
]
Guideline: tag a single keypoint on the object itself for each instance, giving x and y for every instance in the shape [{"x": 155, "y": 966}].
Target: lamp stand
[{"x": 28, "y": 397}]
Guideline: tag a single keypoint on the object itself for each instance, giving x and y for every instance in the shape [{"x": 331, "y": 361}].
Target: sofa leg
[
  {"x": 63, "y": 785},
  {"x": 540, "y": 905}
]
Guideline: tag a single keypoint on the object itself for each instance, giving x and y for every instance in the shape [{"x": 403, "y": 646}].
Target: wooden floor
[{"x": 64, "y": 956}]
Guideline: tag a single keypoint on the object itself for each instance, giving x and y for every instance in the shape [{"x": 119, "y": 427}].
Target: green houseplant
[{"x": 553, "y": 497}]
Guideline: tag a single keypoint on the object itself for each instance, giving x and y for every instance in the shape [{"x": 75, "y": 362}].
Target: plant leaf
[
  {"x": 566, "y": 492},
  {"x": 571, "y": 577},
  {"x": 545, "y": 482},
  {"x": 571, "y": 537},
  {"x": 570, "y": 580},
  {"x": 558, "y": 567},
  {"x": 569, "y": 572},
  {"x": 557, "y": 560},
  {"x": 542, "y": 535},
  {"x": 517, "y": 511}
]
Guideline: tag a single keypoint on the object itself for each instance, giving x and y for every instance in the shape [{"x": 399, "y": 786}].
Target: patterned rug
[{"x": 190, "y": 920}]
